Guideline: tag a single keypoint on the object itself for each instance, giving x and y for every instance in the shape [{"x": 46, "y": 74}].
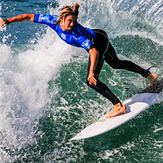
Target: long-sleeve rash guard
[{"x": 79, "y": 36}]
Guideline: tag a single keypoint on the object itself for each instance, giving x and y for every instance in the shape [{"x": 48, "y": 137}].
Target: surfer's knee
[{"x": 116, "y": 64}]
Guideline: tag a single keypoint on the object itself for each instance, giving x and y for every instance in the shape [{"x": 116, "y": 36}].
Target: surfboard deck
[{"x": 134, "y": 106}]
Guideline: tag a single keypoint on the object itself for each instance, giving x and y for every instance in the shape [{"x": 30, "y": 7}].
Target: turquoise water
[{"x": 45, "y": 100}]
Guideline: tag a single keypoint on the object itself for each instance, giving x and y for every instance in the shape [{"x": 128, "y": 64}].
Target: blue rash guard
[{"x": 79, "y": 36}]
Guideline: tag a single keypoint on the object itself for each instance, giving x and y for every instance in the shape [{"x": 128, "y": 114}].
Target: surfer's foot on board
[
  {"x": 152, "y": 78},
  {"x": 117, "y": 109}
]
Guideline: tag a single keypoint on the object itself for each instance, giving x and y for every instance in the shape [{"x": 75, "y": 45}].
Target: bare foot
[
  {"x": 117, "y": 109},
  {"x": 152, "y": 78}
]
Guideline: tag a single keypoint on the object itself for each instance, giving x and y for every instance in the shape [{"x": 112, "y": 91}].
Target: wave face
[{"x": 44, "y": 100}]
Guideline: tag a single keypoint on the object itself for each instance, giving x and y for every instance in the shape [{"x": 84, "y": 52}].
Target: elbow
[
  {"x": 27, "y": 17},
  {"x": 94, "y": 52}
]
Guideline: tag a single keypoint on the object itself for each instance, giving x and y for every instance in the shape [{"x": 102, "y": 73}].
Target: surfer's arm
[
  {"x": 90, "y": 48},
  {"x": 19, "y": 18},
  {"x": 93, "y": 61}
]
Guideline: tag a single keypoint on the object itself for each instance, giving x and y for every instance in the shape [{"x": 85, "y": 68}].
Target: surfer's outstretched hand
[
  {"x": 3, "y": 22},
  {"x": 117, "y": 109},
  {"x": 152, "y": 78}
]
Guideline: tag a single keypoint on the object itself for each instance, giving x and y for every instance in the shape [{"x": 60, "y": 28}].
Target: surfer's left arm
[
  {"x": 93, "y": 61},
  {"x": 19, "y": 18}
]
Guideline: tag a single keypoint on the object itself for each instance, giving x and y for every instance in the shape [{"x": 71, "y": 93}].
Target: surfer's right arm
[{"x": 19, "y": 18}]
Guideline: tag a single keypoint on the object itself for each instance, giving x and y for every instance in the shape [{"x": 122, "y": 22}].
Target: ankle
[
  {"x": 151, "y": 76},
  {"x": 118, "y": 104}
]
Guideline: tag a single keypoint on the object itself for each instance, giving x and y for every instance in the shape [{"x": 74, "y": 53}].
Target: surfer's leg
[
  {"x": 112, "y": 59},
  {"x": 101, "y": 43},
  {"x": 105, "y": 91}
]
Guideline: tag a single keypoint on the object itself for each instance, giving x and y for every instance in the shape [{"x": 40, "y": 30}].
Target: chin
[{"x": 69, "y": 29}]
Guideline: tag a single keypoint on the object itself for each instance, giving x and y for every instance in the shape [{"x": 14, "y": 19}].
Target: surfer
[{"x": 95, "y": 42}]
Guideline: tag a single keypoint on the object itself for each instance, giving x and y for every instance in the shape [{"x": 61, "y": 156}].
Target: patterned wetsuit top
[{"x": 79, "y": 36}]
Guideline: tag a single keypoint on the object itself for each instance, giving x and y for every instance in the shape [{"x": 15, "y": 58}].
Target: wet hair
[{"x": 68, "y": 10}]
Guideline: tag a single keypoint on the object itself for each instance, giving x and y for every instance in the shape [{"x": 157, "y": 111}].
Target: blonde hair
[{"x": 68, "y": 10}]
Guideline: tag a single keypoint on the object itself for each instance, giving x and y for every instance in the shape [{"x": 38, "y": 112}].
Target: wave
[
  {"x": 117, "y": 17},
  {"x": 28, "y": 72},
  {"x": 24, "y": 87}
]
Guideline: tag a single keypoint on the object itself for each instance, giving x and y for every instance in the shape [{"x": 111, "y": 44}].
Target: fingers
[
  {"x": 3, "y": 22},
  {"x": 92, "y": 80},
  {"x": 3, "y": 25}
]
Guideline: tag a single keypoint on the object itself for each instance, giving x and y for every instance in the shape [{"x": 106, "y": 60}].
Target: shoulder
[
  {"x": 79, "y": 28},
  {"x": 86, "y": 32}
]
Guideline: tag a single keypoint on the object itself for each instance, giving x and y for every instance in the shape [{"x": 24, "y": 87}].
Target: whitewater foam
[{"x": 24, "y": 86}]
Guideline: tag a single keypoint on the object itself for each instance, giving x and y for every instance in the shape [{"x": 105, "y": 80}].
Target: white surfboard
[{"x": 134, "y": 105}]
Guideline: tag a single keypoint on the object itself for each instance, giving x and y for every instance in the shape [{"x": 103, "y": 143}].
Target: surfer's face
[{"x": 68, "y": 23}]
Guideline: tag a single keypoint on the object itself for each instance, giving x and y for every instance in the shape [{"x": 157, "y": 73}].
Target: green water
[{"x": 44, "y": 97}]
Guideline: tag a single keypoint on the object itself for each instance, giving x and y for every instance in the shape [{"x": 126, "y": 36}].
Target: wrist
[
  {"x": 91, "y": 71},
  {"x": 9, "y": 20}
]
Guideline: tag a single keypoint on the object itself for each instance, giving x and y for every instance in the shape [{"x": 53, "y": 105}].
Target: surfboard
[{"x": 134, "y": 106}]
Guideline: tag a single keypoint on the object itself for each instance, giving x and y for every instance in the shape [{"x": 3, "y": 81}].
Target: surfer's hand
[
  {"x": 4, "y": 22},
  {"x": 91, "y": 78}
]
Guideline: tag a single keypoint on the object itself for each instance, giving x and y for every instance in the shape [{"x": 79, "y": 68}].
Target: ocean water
[{"x": 44, "y": 100}]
